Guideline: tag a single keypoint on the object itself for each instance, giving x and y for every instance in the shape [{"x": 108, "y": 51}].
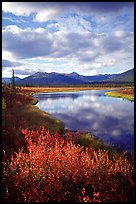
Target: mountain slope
[
  {"x": 95, "y": 78},
  {"x": 44, "y": 78},
  {"x": 127, "y": 76}
]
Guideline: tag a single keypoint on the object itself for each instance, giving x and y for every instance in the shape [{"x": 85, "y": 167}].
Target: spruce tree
[{"x": 13, "y": 82}]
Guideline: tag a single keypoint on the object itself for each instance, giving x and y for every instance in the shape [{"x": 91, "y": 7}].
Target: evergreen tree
[{"x": 13, "y": 82}]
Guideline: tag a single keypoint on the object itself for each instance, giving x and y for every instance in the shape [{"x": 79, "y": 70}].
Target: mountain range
[{"x": 53, "y": 78}]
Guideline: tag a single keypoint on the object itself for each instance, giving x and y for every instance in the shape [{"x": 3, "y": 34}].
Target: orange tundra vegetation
[
  {"x": 54, "y": 168},
  {"x": 70, "y": 88},
  {"x": 42, "y": 164}
]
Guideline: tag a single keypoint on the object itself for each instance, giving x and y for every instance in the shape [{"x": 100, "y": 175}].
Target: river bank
[
  {"x": 91, "y": 110},
  {"x": 124, "y": 93},
  {"x": 21, "y": 108},
  {"x": 96, "y": 142}
]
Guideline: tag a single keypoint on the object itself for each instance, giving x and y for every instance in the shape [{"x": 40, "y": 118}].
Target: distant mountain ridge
[
  {"x": 127, "y": 76},
  {"x": 54, "y": 78}
]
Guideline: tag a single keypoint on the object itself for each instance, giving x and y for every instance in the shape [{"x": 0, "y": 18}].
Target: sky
[{"x": 89, "y": 38}]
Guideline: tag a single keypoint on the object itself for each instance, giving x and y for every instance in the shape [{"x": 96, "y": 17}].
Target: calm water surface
[{"x": 110, "y": 119}]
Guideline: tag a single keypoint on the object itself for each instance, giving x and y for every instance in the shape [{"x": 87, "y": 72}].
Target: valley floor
[
  {"x": 19, "y": 110},
  {"x": 19, "y": 113}
]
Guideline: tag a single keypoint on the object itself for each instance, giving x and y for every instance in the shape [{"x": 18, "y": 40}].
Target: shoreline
[
  {"x": 98, "y": 143},
  {"x": 120, "y": 94},
  {"x": 114, "y": 147},
  {"x": 28, "y": 115}
]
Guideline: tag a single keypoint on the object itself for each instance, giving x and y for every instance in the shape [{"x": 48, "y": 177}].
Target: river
[{"x": 110, "y": 119}]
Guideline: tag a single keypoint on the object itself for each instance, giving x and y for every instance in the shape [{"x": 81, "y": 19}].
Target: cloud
[
  {"x": 7, "y": 63},
  {"x": 26, "y": 43},
  {"x": 84, "y": 47},
  {"x": 102, "y": 7},
  {"x": 86, "y": 37},
  {"x": 111, "y": 44},
  {"x": 43, "y": 11},
  {"x": 75, "y": 23},
  {"x": 43, "y": 16},
  {"x": 25, "y": 71},
  {"x": 18, "y": 9}
]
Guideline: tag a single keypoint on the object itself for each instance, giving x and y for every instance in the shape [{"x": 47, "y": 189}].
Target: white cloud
[
  {"x": 8, "y": 63},
  {"x": 120, "y": 33},
  {"x": 13, "y": 29},
  {"x": 45, "y": 15},
  {"x": 42, "y": 10},
  {"x": 26, "y": 43},
  {"x": 82, "y": 38},
  {"x": 72, "y": 23},
  {"x": 7, "y": 55},
  {"x": 87, "y": 50},
  {"x": 17, "y": 8}
]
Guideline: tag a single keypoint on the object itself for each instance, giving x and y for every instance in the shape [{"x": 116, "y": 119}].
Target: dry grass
[
  {"x": 127, "y": 93},
  {"x": 61, "y": 89}
]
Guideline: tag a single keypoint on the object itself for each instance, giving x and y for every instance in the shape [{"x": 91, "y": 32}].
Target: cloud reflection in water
[{"x": 110, "y": 119}]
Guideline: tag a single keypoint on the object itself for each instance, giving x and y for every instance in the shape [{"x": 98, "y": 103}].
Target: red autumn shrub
[
  {"x": 53, "y": 168},
  {"x": 12, "y": 120}
]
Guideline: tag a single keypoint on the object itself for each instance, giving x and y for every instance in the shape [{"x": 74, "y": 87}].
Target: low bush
[{"x": 54, "y": 168}]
